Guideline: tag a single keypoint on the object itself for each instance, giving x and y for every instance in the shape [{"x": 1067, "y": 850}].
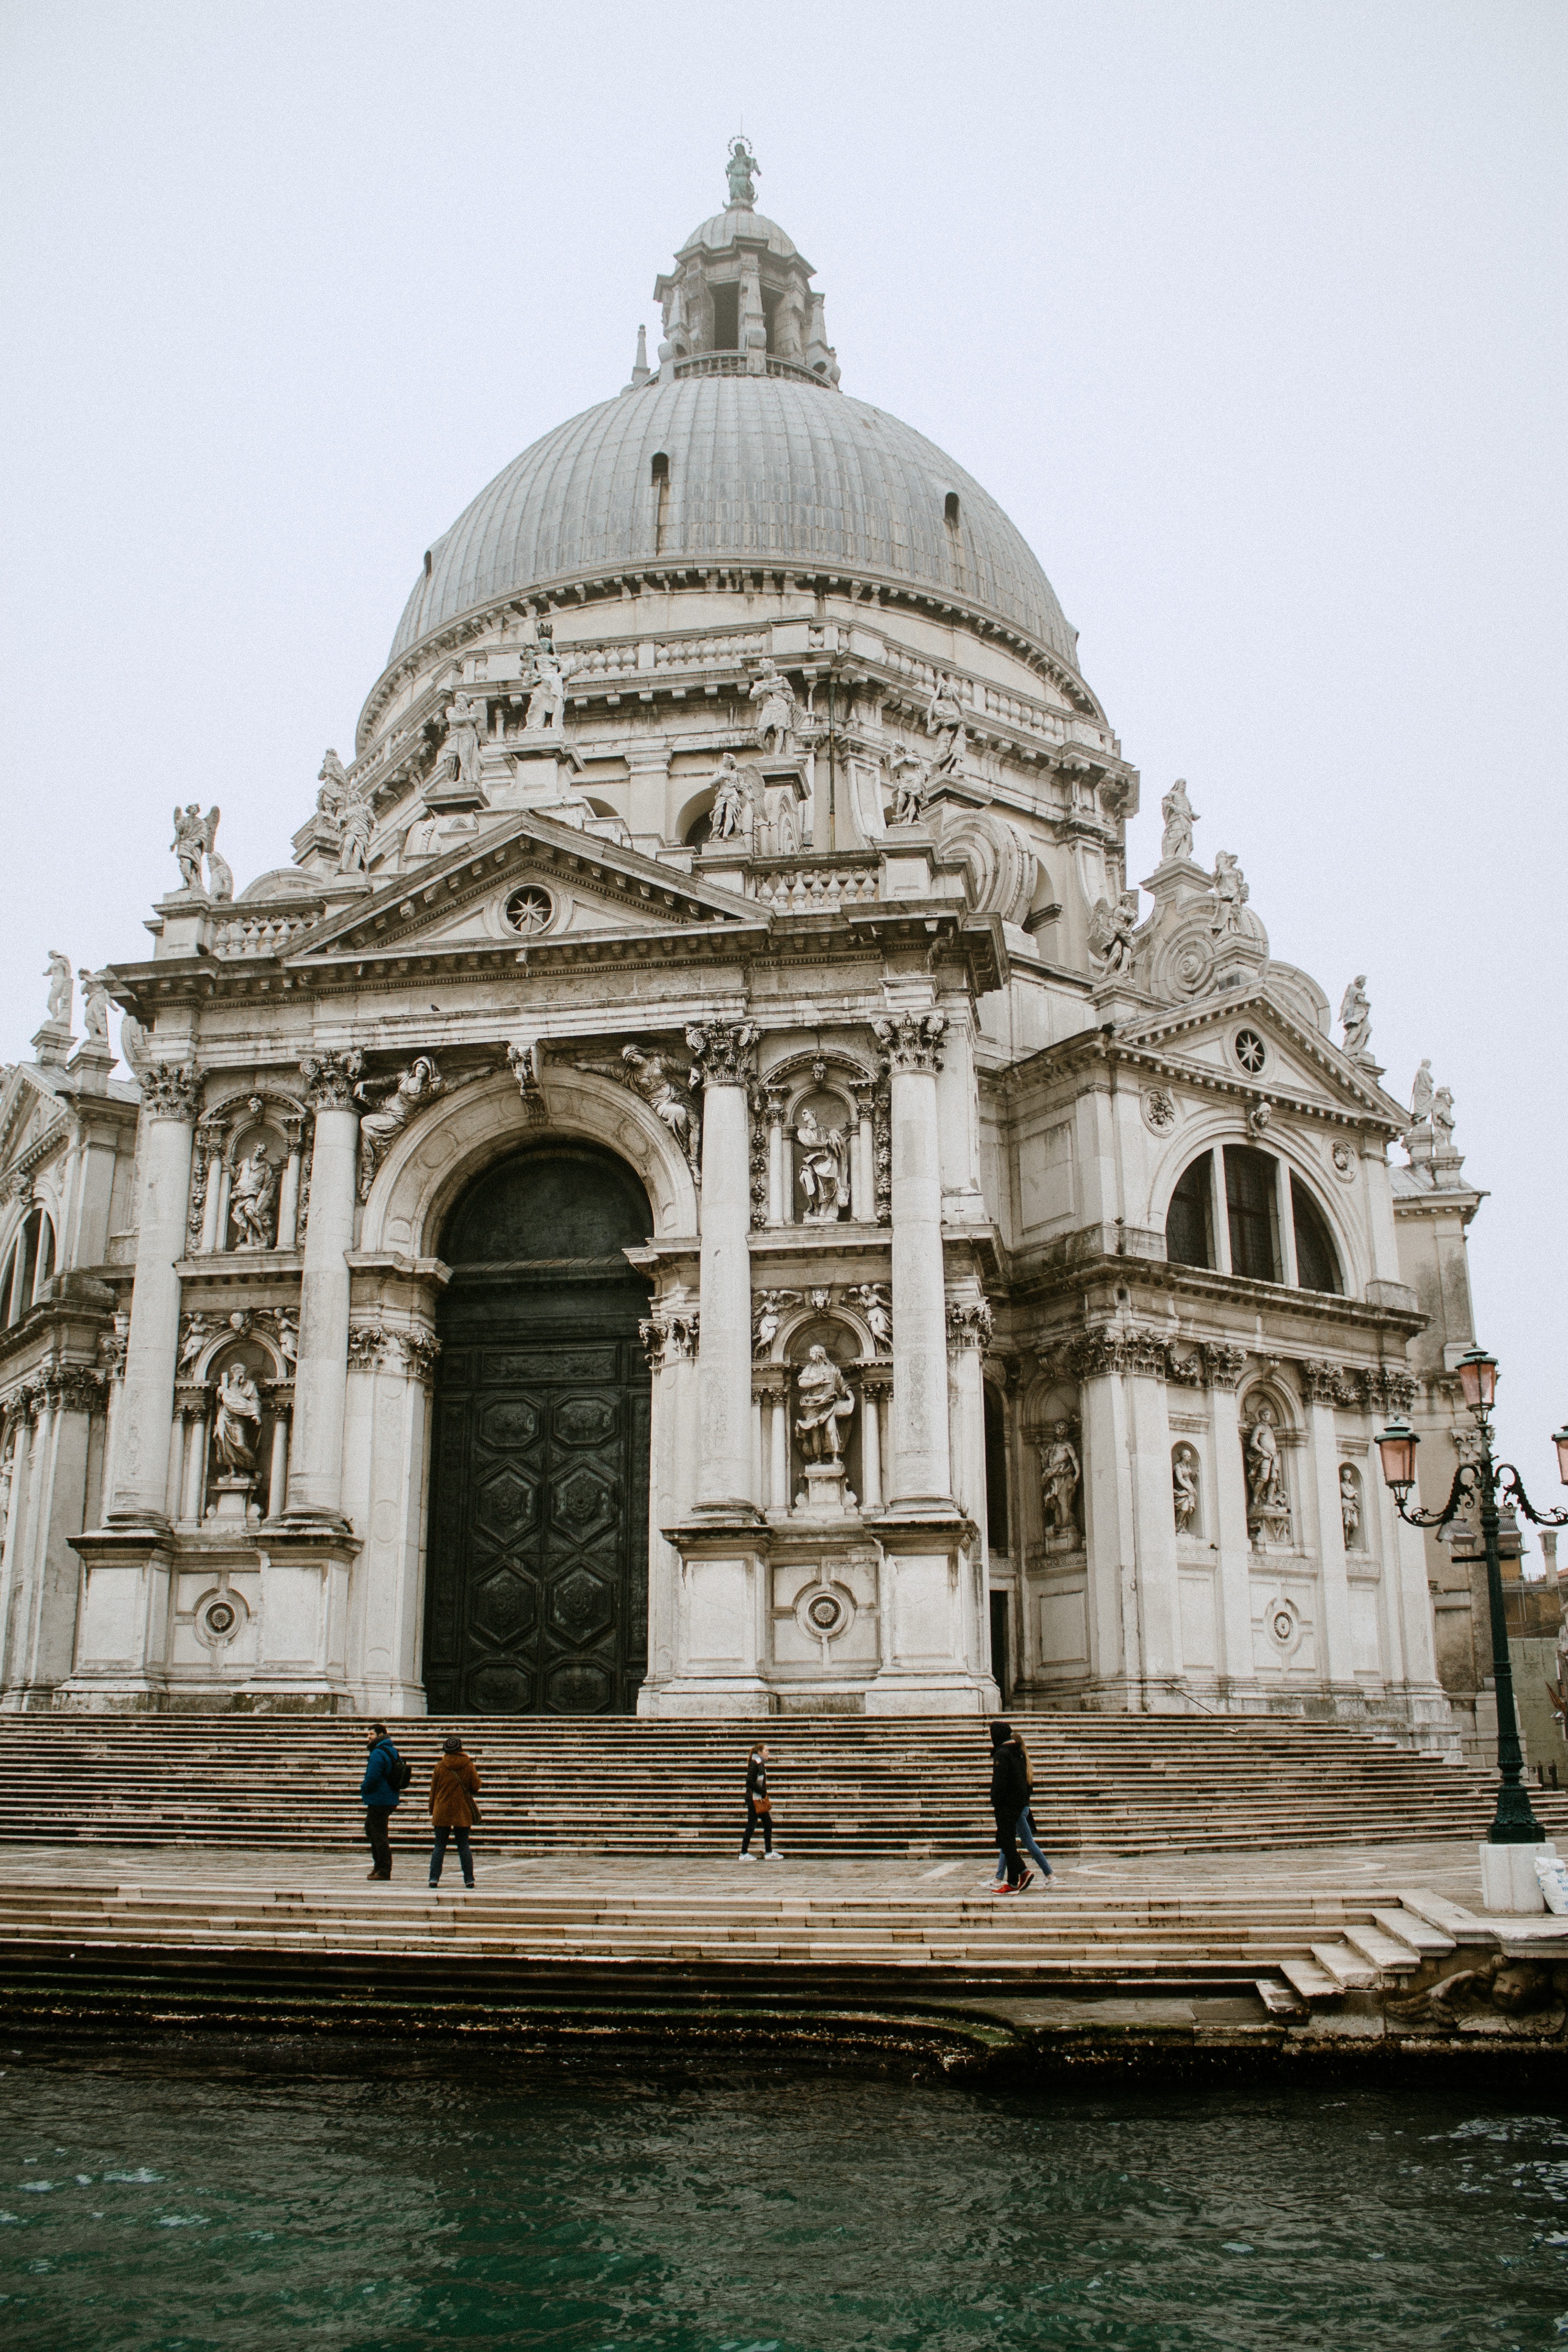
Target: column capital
[
  {"x": 970, "y": 1323},
  {"x": 331, "y": 1078},
  {"x": 171, "y": 1090},
  {"x": 1095, "y": 1354},
  {"x": 724, "y": 1052},
  {"x": 76, "y": 1388},
  {"x": 1223, "y": 1365},
  {"x": 669, "y": 1338},
  {"x": 912, "y": 1041}
]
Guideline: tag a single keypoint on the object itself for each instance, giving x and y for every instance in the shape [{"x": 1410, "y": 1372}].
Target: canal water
[{"x": 760, "y": 2211}]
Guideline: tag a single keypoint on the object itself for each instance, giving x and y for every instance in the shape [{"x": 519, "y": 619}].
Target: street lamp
[{"x": 1481, "y": 1483}]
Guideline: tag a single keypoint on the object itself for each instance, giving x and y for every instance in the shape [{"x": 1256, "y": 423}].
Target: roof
[
  {"x": 740, "y": 220},
  {"x": 762, "y": 471}
]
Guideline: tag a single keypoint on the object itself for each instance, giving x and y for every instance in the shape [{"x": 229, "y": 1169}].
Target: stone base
[
  {"x": 1508, "y": 1878},
  {"x": 934, "y": 1693}
]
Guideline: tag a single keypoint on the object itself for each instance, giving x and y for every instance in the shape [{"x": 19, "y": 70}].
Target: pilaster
[
  {"x": 321, "y": 1374},
  {"x": 170, "y": 1093}
]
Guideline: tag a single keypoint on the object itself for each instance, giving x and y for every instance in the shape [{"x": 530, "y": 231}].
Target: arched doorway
[{"x": 536, "y": 1588}]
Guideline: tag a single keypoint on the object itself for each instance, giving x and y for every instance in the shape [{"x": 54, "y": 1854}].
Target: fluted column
[
  {"x": 322, "y": 1370},
  {"x": 919, "y": 1472},
  {"x": 724, "y": 1053},
  {"x": 169, "y": 1095}
]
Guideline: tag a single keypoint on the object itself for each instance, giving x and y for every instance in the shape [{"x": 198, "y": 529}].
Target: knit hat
[{"x": 452, "y": 1748}]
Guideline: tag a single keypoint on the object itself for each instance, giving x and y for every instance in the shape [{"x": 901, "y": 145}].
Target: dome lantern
[{"x": 740, "y": 298}]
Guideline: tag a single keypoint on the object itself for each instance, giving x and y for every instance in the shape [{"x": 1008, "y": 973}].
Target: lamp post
[{"x": 1482, "y": 1483}]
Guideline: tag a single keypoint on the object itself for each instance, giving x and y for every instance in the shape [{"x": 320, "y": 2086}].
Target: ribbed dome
[
  {"x": 762, "y": 471},
  {"x": 716, "y": 235}
]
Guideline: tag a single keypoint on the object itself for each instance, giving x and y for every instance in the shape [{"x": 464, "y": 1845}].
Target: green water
[{"x": 756, "y": 2210}]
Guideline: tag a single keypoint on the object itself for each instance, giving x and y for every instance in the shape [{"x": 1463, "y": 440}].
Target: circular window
[
  {"x": 825, "y": 1613},
  {"x": 1250, "y": 1050},
  {"x": 221, "y": 1619},
  {"x": 528, "y": 910}
]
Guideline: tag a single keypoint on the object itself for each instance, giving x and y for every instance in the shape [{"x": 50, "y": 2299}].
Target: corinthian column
[
  {"x": 321, "y": 1372},
  {"x": 919, "y": 1474},
  {"x": 724, "y": 1055},
  {"x": 169, "y": 1096}
]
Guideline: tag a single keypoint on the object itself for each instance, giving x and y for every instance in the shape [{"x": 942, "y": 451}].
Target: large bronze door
[{"x": 537, "y": 1578}]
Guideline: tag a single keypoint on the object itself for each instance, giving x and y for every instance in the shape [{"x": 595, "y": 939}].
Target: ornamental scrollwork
[
  {"x": 74, "y": 1388},
  {"x": 970, "y": 1323}
]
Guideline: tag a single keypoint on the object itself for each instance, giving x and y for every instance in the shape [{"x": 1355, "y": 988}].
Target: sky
[{"x": 1251, "y": 317}]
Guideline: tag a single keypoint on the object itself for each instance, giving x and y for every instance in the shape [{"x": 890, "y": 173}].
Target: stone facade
[{"x": 1020, "y": 1276}]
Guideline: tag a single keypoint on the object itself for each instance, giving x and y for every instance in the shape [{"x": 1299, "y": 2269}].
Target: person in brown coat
[{"x": 454, "y": 1785}]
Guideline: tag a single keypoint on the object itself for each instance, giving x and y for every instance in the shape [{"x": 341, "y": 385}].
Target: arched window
[
  {"x": 1317, "y": 1262},
  {"x": 1189, "y": 1222},
  {"x": 996, "y": 1471},
  {"x": 28, "y": 1267},
  {"x": 1250, "y": 1206},
  {"x": 659, "y": 470},
  {"x": 951, "y": 509}
]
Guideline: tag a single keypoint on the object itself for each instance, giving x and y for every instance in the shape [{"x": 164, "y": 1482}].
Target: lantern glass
[
  {"x": 1397, "y": 1445},
  {"x": 1560, "y": 1439},
  {"x": 1477, "y": 1378}
]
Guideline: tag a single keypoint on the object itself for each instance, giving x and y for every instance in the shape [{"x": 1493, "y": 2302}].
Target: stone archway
[{"x": 536, "y": 1587}]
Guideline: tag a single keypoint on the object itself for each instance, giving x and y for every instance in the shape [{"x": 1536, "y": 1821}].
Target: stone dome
[
  {"x": 714, "y": 236},
  {"x": 761, "y": 471}
]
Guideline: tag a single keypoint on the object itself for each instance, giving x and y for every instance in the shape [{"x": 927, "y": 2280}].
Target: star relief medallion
[{"x": 528, "y": 910}]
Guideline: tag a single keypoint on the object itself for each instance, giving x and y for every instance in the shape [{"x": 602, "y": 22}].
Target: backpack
[{"x": 400, "y": 1774}]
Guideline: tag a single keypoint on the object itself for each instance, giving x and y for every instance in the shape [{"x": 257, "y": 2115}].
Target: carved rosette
[
  {"x": 970, "y": 1323},
  {"x": 171, "y": 1090},
  {"x": 912, "y": 1041},
  {"x": 668, "y": 1339},
  {"x": 723, "y": 1053},
  {"x": 331, "y": 1078}
]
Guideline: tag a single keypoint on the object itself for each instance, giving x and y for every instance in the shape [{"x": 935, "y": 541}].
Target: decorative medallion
[
  {"x": 1160, "y": 1109},
  {"x": 528, "y": 910},
  {"x": 1250, "y": 1050},
  {"x": 1344, "y": 1163}
]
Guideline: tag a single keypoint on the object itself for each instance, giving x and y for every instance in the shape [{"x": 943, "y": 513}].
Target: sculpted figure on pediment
[
  {"x": 1421, "y": 1096},
  {"x": 1355, "y": 1013},
  {"x": 775, "y": 720},
  {"x": 1110, "y": 929},
  {"x": 547, "y": 701},
  {"x": 1230, "y": 895},
  {"x": 945, "y": 719},
  {"x": 1180, "y": 818},
  {"x": 58, "y": 976}
]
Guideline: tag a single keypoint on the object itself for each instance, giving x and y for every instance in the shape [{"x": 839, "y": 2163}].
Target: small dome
[
  {"x": 719, "y": 233},
  {"x": 760, "y": 471}
]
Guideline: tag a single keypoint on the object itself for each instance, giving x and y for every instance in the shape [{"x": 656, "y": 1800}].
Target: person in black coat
[
  {"x": 1009, "y": 1795},
  {"x": 759, "y": 1806}
]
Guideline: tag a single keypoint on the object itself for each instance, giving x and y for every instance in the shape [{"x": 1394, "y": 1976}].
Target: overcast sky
[{"x": 1250, "y": 315}]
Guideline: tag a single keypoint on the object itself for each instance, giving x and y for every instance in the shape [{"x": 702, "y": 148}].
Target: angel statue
[
  {"x": 740, "y": 171},
  {"x": 401, "y": 1097},
  {"x": 58, "y": 976},
  {"x": 194, "y": 836},
  {"x": 238, "y": 1422},
  {"x": 775, "y": 719},
  {"x": 253, "y": 1201},
  {"x": 1180, "y": 818},
  {"x": 1111, "y": 931}
]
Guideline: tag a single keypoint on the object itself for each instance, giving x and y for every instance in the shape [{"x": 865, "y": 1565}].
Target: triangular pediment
[
  {"x": 527, "y": 882},
  {"x": 1205, "y": 1042},
  {"x": 29, "y": 1110}
]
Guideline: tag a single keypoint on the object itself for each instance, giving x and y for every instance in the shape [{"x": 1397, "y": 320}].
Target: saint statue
[
  {"x": 1350, "y": 1507},
  {"x": 1355, "y": 1012},
  {"x": 945, "y": 719},
  {"x": 1264, "y": 1479},
  {"x": 1230, "y": 895},
  {"x": 1421, "y": 1096},
  {"x": 648, "y": 1075},
  {"x": 58, "y": 976},
  {"x": 823, "y": 1167},
  {"x": 825, "y": 1403},
  {"x": 459, "y": 761},
  {"x": 401, "y": 1097},
  {"x": 741, "y": 173},
  {"x": 253, "y": 1202},
  {"x": 1442, "y": 1116},
  {"x": 774, "y": 724},
  {"x": 237, "y": 1422},
  {"x": 335, "y": 789},
  {"x": 1180, "y": 818},
  {"x": 358, "y": 822},
  {"x": 546, "y": 712},
  {"x": 1184, "y": 1486},
  {"x": 912, "y": 781},
  {"x": 1060, "y": 1470},
  {"x": 732, "y": 805}
]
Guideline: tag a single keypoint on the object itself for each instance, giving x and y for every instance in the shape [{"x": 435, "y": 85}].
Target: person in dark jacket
[
  {"x": 379, "y": 1793},
  {"x": 1027, "y": 1841},
  {"x": 759, "y": 1806},
  {"x": 454, "y": 1785},
  {"x": 1009, "y": 1795}
]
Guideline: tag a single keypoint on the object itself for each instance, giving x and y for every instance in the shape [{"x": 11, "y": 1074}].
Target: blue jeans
[
  {"x": 438, "y": 1855},
  {"x": 1025, "y": 1833}
]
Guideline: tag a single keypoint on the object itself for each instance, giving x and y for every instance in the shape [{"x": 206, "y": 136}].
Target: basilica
[{"x": 701, "y": 1187}]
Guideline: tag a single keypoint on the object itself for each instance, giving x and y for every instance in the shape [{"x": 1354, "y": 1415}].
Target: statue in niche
[
  {"x": 911, "y": 784},
  {"x": 253, "y": 1201},
  {"x": 945, "y": 719},
  {"x": 741, "y": 172},
  {"x": 459, "y": 760},
  {"x": 647, "y": 1073},
  {"x": 194, "y": 836},
  {"x": 1421, "y": 1096},
  {"x": 732, "y": 802},
  {"x": 1060, "y": 1470},
  {"x": 1355, "y": 1015},
  {"x": 1442, "y": 1118},
  {"x": 774, "y": 726},
  {"x": 1230, "y": 895},
  {"x": 1180, "y": 816},
  {"x": 237, "y": 1422},
  {"x": 58, "y": 976},
  {"x": 1269, "y": 1513},
  {"x": 1110, "y": 929},
  {"x": 358, "y": 821},
  {"x": 826, "y": 1405},
  {"x": 824, "y": 1168},
  {"x": 1350, "y": 1507},
  {"x": 336, "y": 791},
  {"x": 1184, "y": 1487},
  {"x": 400, "y": 1098},
  {"x": 95, "y": 1004}
]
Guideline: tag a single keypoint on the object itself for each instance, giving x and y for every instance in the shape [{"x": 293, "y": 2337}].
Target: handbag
[{"x": 762, "y": 1804}]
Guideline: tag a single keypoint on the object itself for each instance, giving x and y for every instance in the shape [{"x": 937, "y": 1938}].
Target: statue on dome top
[{"x": 742, "y": 168}]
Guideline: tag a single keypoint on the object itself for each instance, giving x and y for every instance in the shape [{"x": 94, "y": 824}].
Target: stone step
[
  {"x": 1350, "y": 1971},
  {"x": 1389, "y": 1955},
  {"x": 1427, "y": 1942},
  {"x": 1311, "y": 1979}
]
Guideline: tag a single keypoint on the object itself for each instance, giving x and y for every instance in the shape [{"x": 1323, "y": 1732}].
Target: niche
[
  {"x": 1186, "y": 1490},
  {"x": 1352, "y": 1507},
  {"x": 825, "y": 1132},
  {"x": 842, "y": 1348}
]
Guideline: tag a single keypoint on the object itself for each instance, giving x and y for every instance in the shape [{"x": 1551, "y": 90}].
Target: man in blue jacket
[{"x": 379, "y": 1793}]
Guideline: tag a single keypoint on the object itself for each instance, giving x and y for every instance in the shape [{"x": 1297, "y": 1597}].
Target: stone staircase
[{"x": 843, "y": 1787}]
